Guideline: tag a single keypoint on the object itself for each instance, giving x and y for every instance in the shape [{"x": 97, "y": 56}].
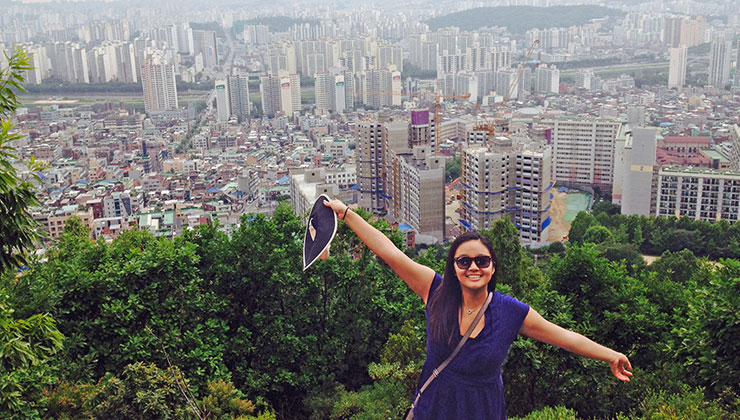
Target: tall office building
[
  {"x": 583, "y": 151},
  {"x": 158, "y": 82},
  {"x": 370, "y": 167},
  {"x": 677, "y": 67},
  {"x": 223, "y": 110},
  {"x": 239, "y": 95},
  {"x": 719, "y": 63},
  {"x": 547, "y": 79},
  {"x": 204, "y": 42}
]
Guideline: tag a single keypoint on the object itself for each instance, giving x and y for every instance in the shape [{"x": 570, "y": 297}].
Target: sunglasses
[{"x": 464, "y": 262}]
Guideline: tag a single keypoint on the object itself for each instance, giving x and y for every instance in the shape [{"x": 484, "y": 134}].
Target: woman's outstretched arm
[
  {"x": 537, "y": 327},
  {"x": 418, "y": 277}
]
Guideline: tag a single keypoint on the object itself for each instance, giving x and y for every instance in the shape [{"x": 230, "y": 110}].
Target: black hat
[{"x": 321, "y": 228}]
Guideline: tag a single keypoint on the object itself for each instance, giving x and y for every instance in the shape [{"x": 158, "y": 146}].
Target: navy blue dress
[{"x": 471, "y": 387}]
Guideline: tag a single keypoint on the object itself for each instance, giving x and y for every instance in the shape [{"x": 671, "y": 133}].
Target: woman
[{"x": 471, "y": 386}]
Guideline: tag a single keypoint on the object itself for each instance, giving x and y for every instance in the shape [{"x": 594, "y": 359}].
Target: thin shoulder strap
[{"x": 447, "y": 361}]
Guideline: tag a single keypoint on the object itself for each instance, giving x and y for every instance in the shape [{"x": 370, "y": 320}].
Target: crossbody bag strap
[{"x": 447, "y": 361}]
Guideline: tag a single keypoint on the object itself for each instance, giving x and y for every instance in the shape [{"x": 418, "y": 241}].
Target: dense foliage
[
  {"x": 233, "y": 321},
  {"x": 17, "y": 194},
  {"x": 519, "y": 19}
]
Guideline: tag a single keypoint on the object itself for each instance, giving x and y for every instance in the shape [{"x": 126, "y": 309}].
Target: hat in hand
[{"x": 321, "y": 228}]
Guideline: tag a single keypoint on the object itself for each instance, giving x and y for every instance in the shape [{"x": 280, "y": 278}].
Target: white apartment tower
[
  {"x": 547, "y": 79},
  {"x": 719, "y": 63},
  {"x": 158, "y": 82},
  {"x": 583, "y": 151},
  {"x": 290, "y": 93},
  {"x": 223, "y": 110},
  {"x": 677, "y": 67}
]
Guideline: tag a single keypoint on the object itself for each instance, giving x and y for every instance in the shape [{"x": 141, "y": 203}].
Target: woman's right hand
[{"x": 337, "y": 207}]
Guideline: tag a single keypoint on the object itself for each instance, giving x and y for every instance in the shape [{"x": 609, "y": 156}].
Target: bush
[{"x": 549, "y": 413}]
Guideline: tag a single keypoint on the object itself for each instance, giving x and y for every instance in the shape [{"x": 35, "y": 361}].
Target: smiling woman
[{"x": 469, "y": 385}]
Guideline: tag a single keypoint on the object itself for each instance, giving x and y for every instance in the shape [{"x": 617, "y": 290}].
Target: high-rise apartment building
[
  {"x": 370, "y": 166},
  {"x": 204, "y": 42},
  {"x": 734, "y": 148},
  {"x": 239, "y": 95},
  {"x": 420, "y": 194},
  {"x": 719, "y": 62},
  {"x": 507, "y": 180},
  {"x": 270, "y": 94},
  {"x": 290, "y": 93},
  {"x": 547, "y": 79},
  {"x": 158, "y": 82},
  {"x": 583, "y": 151},
  {"x": 677, "y": 67},
  {"x": 323, "y": 83}
]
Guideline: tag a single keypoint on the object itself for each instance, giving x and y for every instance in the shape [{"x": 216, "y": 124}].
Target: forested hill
[{"x": 519, "y": 19}]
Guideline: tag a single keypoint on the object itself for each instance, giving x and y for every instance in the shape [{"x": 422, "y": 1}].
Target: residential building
[
  {"x": 677, "y": 67},
  {"x": 370, "y": 166},
  {"x": 158, "y": 81},
  {"x": 719, "y": 62},
  {"x": 507, "y": 180},
  {"x": 583, "y": 151},
  {"x": 547, "y": 79}
]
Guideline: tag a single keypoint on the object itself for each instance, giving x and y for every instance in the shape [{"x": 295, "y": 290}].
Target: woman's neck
[{"x": 473, "y": 299}]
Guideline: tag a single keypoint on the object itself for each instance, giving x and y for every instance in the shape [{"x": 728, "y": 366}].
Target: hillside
[{"x": 519, "y": 19}]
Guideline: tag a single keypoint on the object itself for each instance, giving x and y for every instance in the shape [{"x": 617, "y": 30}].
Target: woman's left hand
[{"x": 621, "y": 367}]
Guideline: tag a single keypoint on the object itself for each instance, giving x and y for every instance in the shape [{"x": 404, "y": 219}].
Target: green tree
[
  {"x": 17, "y": 196},
  {"x": 579, "y": 226},
  {"x": 452, "y": 169},
  {"x": 26, "y": 350},
  {"x": 597, "y": 234},
  {"x": 707, "y": 340}
]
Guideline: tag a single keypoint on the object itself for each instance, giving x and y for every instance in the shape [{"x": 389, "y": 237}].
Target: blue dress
[{"x": 470, "y": 387}]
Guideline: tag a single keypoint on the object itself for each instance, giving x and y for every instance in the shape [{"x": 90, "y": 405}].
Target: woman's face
[{"x": 474, "y": 277}]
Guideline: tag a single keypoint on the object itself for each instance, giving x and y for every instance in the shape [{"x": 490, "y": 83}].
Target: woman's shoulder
[{"x": 507, "y": 300}]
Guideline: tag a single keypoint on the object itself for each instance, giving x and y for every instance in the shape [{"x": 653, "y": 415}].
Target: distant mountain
[{"x": 519, "y": 19}]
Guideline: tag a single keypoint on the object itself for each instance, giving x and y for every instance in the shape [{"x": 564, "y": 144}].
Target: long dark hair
[{"x": 446, "y": 301}]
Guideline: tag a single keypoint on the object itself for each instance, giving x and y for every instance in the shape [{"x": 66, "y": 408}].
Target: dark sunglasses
[{"x": 482, "y": 261}]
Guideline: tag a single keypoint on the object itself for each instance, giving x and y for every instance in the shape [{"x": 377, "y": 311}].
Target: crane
[{"x": 489, "y": 126}]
